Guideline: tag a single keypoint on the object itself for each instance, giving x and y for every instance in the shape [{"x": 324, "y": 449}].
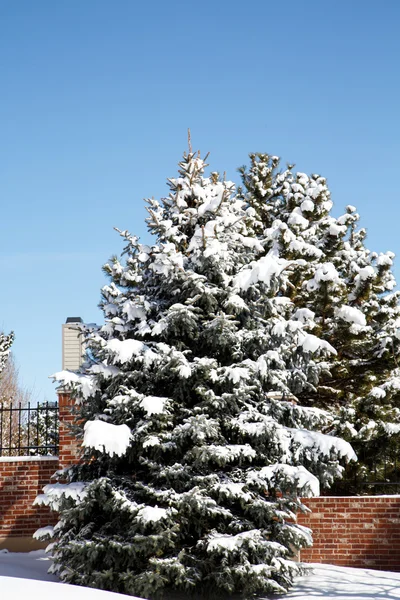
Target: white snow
[
  {"x": 312, "y": 343},
  {"x": 184, "y": 371},
  {"x": 212, "y": 195},
  {"x": 44, "y": 532},
  {"x": 279, "y": 328},
  {"x": 296, "y": 218},
  {"x": 299, "y": 475},
  {"x": 250, "y": 242},
  {"x": 324, "y": 273},
  {"x": 366, "y": 273},
  {"x": 282, "y": 300},
  {"x": 307, "y": 205},
  {"x": 151, "y": 440},
  {"x": 27, "y": 458},
  {"x": 24, "y": 575},
  {"x": 391, "y": 428},
  {"x": 106, "y": 437},
  {"x": 384, "y": 259},
  {"x": 235, "y": 301},
  {"x": 153, "y": 405},
  {"x": 202, "y": 233},
  {"x": 133, "y": 310},
  {"x": 159, "y": 327},
  {"x": 336, "y": 230},
  {"x": 54, "y": 491},
  {"x": 234, "y": 490},
  {"x": 149, "y": 514},
  {"x": 167, "y": 258},
  {"x": 377, "y": 393},
  {"x": 236, "y": 374},
  {"x": 105, "y": 370},
  {"x": 303, "y": 315},
  {"x": 330, "y": 582},
  {"x": 323, "y": 443},
  {"x": 297, "y": 245},
  {"x": 123, "y": 350},
  {"x": 26, "y": 565},
  {"x": 229, "y": 452},
  {"x": 302, "y": 178},
  {"x": 264, "y": 270},
  {"x": 351, "y": 315},
  {"x": 87, "y": 383},
  {"x": 232, "y": 542}
]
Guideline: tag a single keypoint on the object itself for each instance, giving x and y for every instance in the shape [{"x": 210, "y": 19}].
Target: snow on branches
[
  {"x": 194, "y": 443},
  {"x": 5, "y": 347}
]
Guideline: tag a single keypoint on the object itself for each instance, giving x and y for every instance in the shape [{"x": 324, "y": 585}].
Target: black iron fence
[
  {"x": 374, "y": 474},
  {"x": 360, "y": 487},
  {"x": 29, "y": 430}
]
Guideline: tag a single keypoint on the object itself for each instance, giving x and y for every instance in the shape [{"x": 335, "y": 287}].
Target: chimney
[{"x": 72, "y": 346}]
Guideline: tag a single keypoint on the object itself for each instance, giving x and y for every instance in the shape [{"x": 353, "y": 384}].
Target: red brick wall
[
  {"x": 69, "y": 447},
  {"x": 21, "y": 480},
  {"x": 356, "y": 531}
]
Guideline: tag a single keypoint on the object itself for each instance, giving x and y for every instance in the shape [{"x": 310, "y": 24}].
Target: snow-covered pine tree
[
  {"x": 5, "y": 346},
  {"x": 195, "y": 451},
  {"x": 346, "y": 294}
]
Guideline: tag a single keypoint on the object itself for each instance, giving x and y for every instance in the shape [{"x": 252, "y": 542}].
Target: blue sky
[{"x": 96, "y": 98}]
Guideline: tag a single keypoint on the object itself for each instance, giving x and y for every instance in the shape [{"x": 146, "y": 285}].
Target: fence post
[{"x": 69, "y": 446}]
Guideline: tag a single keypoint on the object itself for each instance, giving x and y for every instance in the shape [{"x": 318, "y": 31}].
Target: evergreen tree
[
  {"x": 346, "y": 293},
  {"x": 195, "y": 451},
  {"x": 5, "y": 346},
  {"x": 40, "y": 432}
]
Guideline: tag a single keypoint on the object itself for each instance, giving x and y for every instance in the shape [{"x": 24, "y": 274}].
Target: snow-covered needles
[
  {"x": 196, "y": 445},
  {"x": 107, "y": 437}
]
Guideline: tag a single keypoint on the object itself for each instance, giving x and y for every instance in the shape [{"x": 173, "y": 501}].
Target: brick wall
[
  {"x": 23, "y": 478},
  {"x": 354, "y": 531},
  {"x": 68, "y": 445}
]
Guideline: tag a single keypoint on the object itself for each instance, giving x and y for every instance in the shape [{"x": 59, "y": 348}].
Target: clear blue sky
[{"x": 96, "y": 97}]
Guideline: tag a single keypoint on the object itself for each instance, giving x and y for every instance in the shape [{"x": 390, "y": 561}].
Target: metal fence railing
[
  {"x": 373, "y": 474},
  {"x": 365, "y": 487},
  {"x": 29, "y": 430}
]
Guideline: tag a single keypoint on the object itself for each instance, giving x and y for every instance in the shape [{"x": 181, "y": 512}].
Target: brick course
[
  {"x": 68, "y": 445},
  {"x": 358, "y": 531},
  {"x": 20, "y": 482}
]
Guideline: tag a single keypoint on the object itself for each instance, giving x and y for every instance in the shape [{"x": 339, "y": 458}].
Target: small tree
[
  {"x": 41, "y": 431},
  {"x": 5, "y": 346},
  {"x": 195, "y": 449}
]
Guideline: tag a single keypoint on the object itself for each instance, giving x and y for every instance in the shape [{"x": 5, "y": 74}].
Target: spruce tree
[
  {"x": 195, "y": 450},
  {"x": 346, "y": 293}
]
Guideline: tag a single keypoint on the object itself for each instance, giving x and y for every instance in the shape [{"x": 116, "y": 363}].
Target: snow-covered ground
[
  {"x": 25, "y": 576},
  {"x": 343, "y": 583}
]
